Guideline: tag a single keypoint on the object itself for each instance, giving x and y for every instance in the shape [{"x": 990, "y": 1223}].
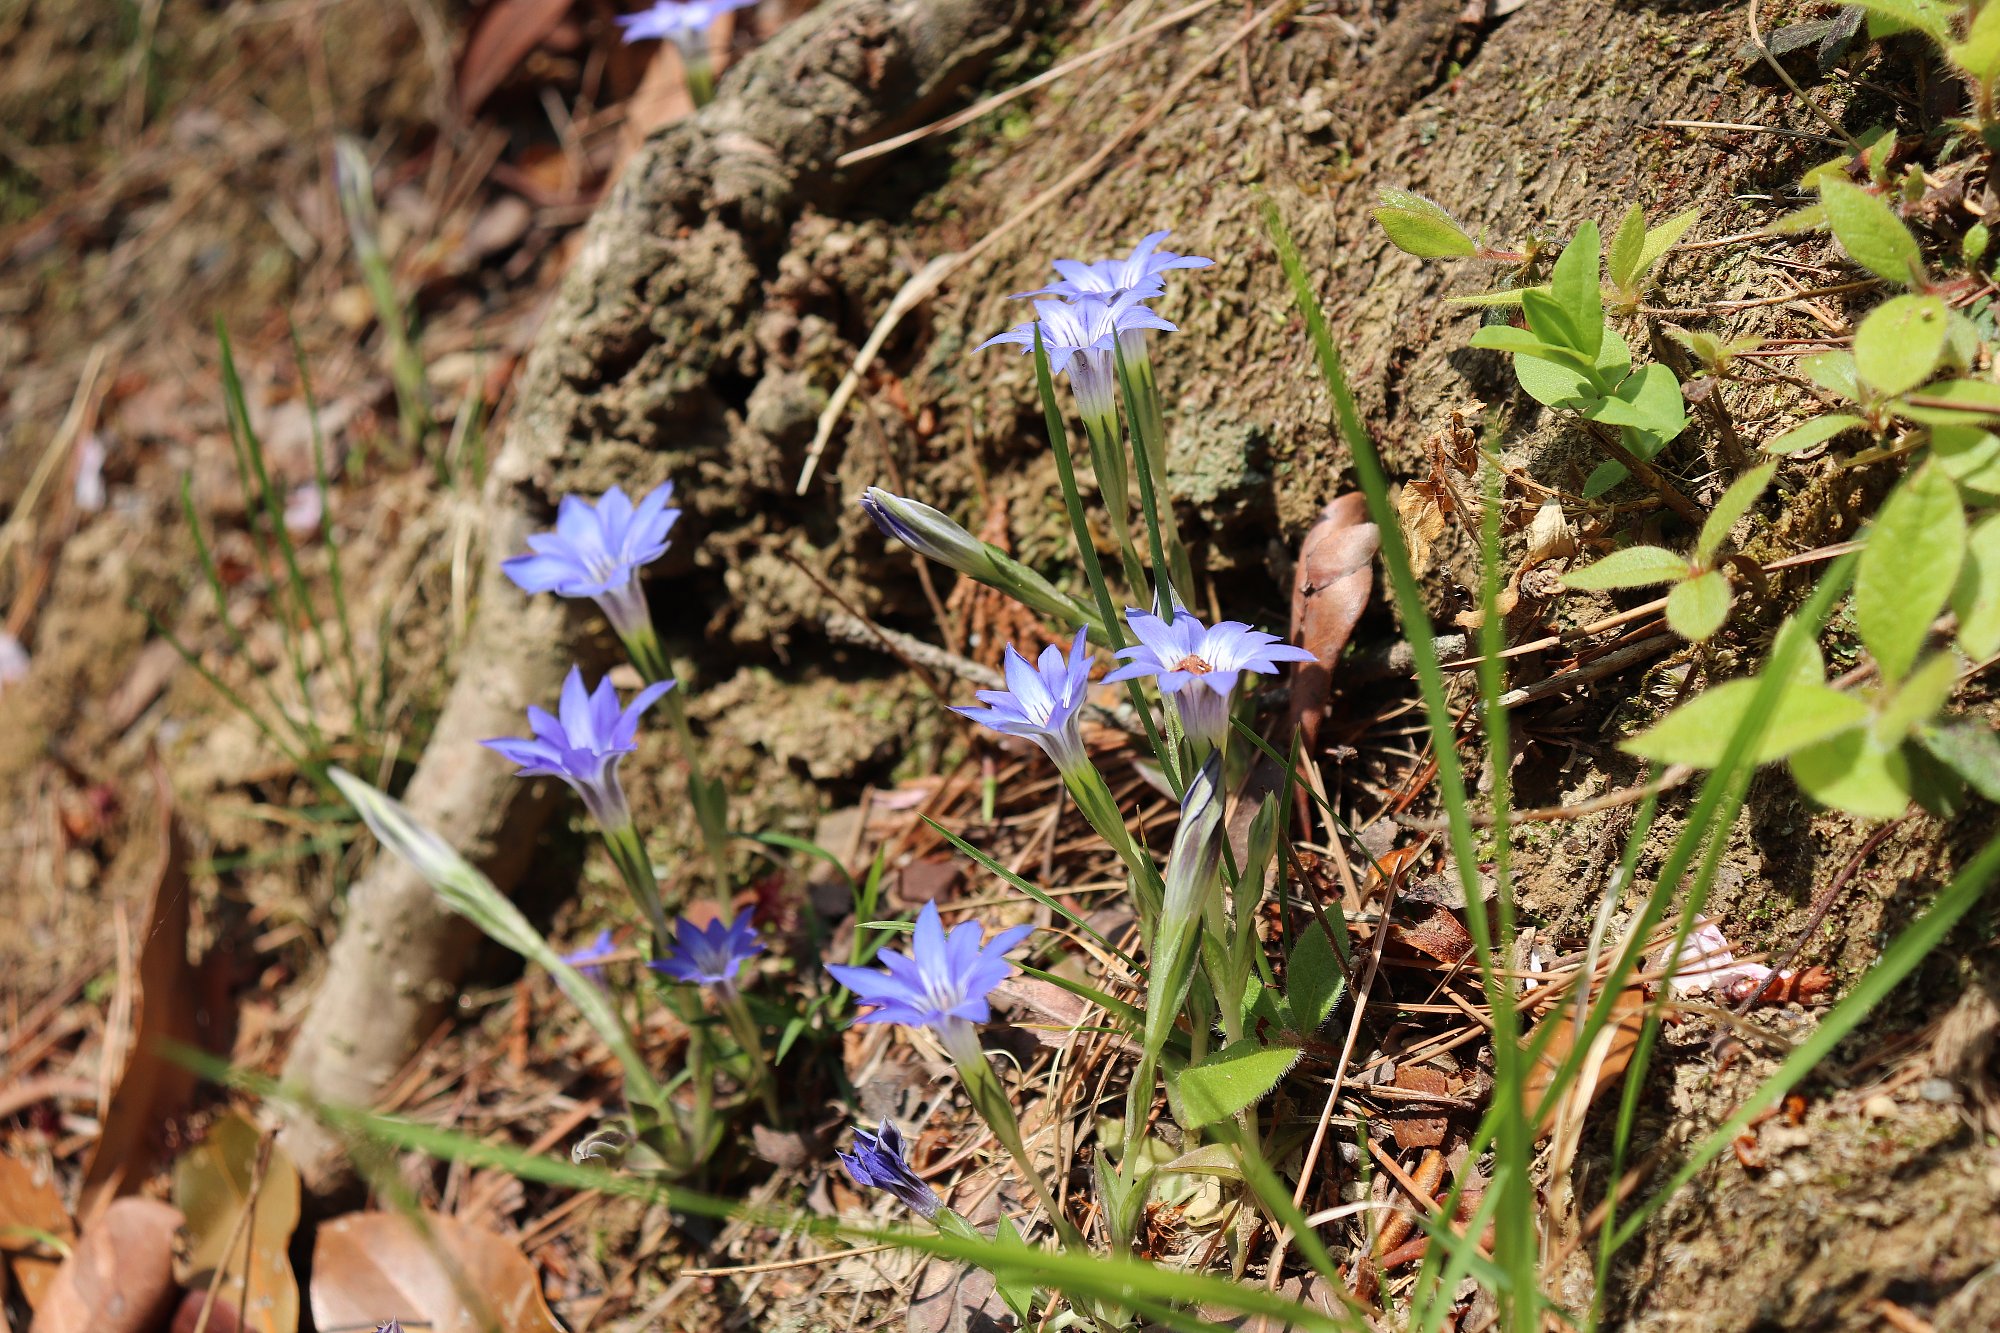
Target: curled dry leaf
[
  {"x": 1330, "y": 590},
  {"x": 120, "y": 1276},
  {"x": 1600, "y": 1072},
  {"x": 428, "y": 1272},
  {"x": 31, "y": 1205},
  {"x": 229, "y": 1176},
  {"x": 153, "y": 1089}
]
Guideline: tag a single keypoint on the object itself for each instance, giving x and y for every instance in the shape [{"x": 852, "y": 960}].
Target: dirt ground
[{"x": 144, "y": 197}]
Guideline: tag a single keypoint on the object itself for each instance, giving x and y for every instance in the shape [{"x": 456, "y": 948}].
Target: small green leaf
[
  {"x": 1970, "y": 456},
  {"x": 1602, "y": 478},
  {"x": 1648, "y": 400},
  {"x": 1952, "y": 403},
  {"x": 1809, "y": 433},
  {"x": 1868, "y": 228},
  {"x": 1979, "y": 54},
  {"x": 1622, "y": 262},
  {"x": 1977, "y": 599},
  {"x": 1313, "y": 979},
  {"x": 1969, "y": 749},
  {"x": 1972, "y": 246},
  {"x": 1930, "y": 17},
  {"x": 1735, "y": 503},
  {"x": 1417, "y": 226},
  {"x": 1233, "y": 1079},
  {"x": 1901, "y": 342},
  {"x": 1834, "y": 372},
  {"x": 1698, "y": 731},
  {"x": 1554, "y": 384},
  {"x": 1633, "y": 567},
  {"x": 1798, "y": 222},
  {"x": 1663, "y": 238},
  {"x": 1908, "y": 568},
  {"x": 1520, "y": 342},
  {"x": 1551, "y": 322},
  {"x": 1918, "y": 699},
  {"x": 1502, "y": 296},
  {"x": 1575, "y": 285},
  {"x": 1698, "y": 607},
  {"x": 1852, "y": 773}
]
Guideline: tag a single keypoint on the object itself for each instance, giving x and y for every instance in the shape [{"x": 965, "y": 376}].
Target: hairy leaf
[
  {"x": 1698, "y": 731},
  {"x": 1809, "y": 433},
  {"x": 1868, "y": 228},
  {"x": 1417, "y": 226},
  {"x": 1649, "y": 400},
  {"x": 1979, "y": 54},
  {"x": 1564, "y": 384},
  {"x": 1313, "y": 979},
  {"x": 1698, "y": 607},
  {"x": 1621, "y": 262},
  {"x": 1969, "y": 749},
  {"x": 1663, "y": 238},
  {"x": 1735, "y": 503},
  {"x": 1901, "y": 342},
  {"x": 1908, "y": 568},
  {"x": 1832, "y": 371},
  {"x": 1977, "y": 598},
  {"x": 1918, "y": 700},
  {"x": 1930, "y": 17},
  {"x": 1232, "y": 1079},
  {"x": 1633, "y": 567},
  {"x": 1851, "y": 772},
  {"x": 1574, "y": 284}
]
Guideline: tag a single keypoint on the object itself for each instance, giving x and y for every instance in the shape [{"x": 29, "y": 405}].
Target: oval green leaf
[
  {"x": 1633, "y": 567},
  {"x": 1233, "y": 1079},
  {"x": 1908, "y": 568},
  {"x": 1977, "y": 598},
  {"x": 1871, "y": 233},
  {"x": 1809, "y": 433},
  {"x": 1901, "y": 342},
  {"x": 1698, "y": 607}
]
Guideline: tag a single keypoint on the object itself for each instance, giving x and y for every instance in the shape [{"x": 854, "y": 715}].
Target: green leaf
[
  {"x": 1851, "y": 772},
  {"x": 1901, "y": 342},
  {"x": 1622, "y": 263},
  {"x": 1698, "y": 607},
  {"x": 1977, "y": 599},
  {"x": 1868, "y": 228},
  {"x": 1602, "y": 478},
  {"x": 1698, "y": 731},
  {"x": 1563, "y": 384},
  {"x": 1917, "y": 700},
  {"x": 1908, "y": 568},
  {"x": 1500, "y": 296},
  {"x": 1809, "y": 433},
  {"x": 1735, "y": 502},
  {"x": 1663, "y": 238},
  {"x": 1520, "y": 342},
  {"x": 1952, "y": 403},
  {"x": 1969, "y": 749},
  {"x": 1233, "y": 1079},
  {"x": 1313, "y": 979},
  {"x": 1649, "y": 400},
  {"x": 1633, "y": 567},
  {"x": 1832, "y": 371},
  {"x": 1574, "y": 283},
  {"x": 1014, "y": 1287},
  {"x": 1417, "y": 226},
  {"x": 1798, "y": 222},
  {"x": 1930, "y": 17}
]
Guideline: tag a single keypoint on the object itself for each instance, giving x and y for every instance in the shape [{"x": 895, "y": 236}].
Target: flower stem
[
  {"x": 710, "y": 801},
  {"x": 628, "y": 853},
  {"x": 982, "y": 1086},
  {"x": 737, "y": 1014}
]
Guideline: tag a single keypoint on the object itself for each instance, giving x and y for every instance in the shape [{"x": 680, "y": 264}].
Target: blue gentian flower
[
  {"x": 596, "y": 551},
  {"x": 677, "y": 20},
  {"x": 586, "y": 959},
  {"x": 942, "y": 982},
  {"x": 710, "y": 955},
  {"x": 583, "y": 743},
  {"x": 1079, "y": 338},
  {"x": 1041, "y": 702},
  {"x": 1200, "y": 666},
  {"x": 877, "y": 1163},
  {"x": 1109, "y": 279}
]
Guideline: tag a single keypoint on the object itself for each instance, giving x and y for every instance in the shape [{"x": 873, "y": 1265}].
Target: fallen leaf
[
  {"x": 1440, "y": 935},
  {"x": 429, "y": 1272},
  {"x": 1421, "y": 507},
  {"x": 152, "y": 1089},
  {"x": 1418, "y": 1126},
  {"x": 188, "y": 1315},
  {"x": 120, "y": 1276},
  {"x": 1619, "y": 1037},
  {"x": 30, "y": 1201},
  {"x": 1330, "y": 590},
  {"x": 216, "y": 1183},
  {"x": 502, "y": 36}
]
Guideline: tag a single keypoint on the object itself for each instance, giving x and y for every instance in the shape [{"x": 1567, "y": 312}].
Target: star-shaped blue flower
[
  {"x": 1109, "y": 279},
  {"x": 942, "y": 980},
  {"x": 877, "y": 1162},
  {"x": 677, "y": 20},
  {"x": 1080, "y": 338},
  {"x": 1041, "y": 702},
  {"x": 710, "y": 955},
  {"x": 586, "y": 959},
  {"x": 597, "y": 550},
  {"x": 583, "y": 743},
  {"x": 1200, "y": 666}
]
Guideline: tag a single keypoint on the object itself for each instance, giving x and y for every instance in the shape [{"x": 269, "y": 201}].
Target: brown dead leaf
[
  {"x": 120, "y": 1276},
  {"x": 430, "y": 1272},
  {"x": 502, "y": 36},
  {"x": 1619, "y": 1037},
  {"x": 229, "y": 1174},
  {"x": 1330, "y": 590},
  {"x": 1420, "y": 1126},
  {"x": 1421, "y": 507},
  {"x": 1439, "y": 935},
  {"x": 30, "y": 1201},
  {"x": 152, "y": 1089}
]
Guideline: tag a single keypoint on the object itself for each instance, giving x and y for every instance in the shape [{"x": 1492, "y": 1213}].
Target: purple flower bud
[
  {"x": 1199, "y": 666},
  {"x": 710, "y": 955},
  {"x": 586, "y": 959},
  {"x": 877, "y": 1163},
  {"x": 941, "y": 981},
  {"x": 596, "y": 551},
  {"x": 583, "y": 743}
]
